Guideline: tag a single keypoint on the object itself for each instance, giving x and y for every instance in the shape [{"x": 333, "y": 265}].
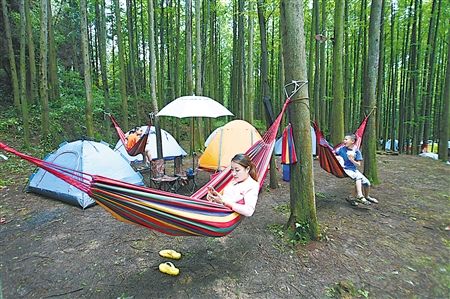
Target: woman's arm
[{"x": 248, "y": 207}]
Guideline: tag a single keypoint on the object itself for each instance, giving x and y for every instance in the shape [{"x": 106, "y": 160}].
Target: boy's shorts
[{"x": 357, "y": 175}]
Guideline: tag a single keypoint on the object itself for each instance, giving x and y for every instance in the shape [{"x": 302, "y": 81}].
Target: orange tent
[{"x": 234, "y": 138}]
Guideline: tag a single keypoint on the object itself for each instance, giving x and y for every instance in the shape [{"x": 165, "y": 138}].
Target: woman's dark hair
[{"x": 246, "y": 162}]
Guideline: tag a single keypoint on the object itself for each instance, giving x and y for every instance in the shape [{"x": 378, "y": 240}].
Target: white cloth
[{"x": 242, "y": 197}]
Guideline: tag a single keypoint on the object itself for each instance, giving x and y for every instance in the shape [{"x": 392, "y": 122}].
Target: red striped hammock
[
  {"x": 139, "y": 147},
  {"x": 168, "y": 213},
  {"x": 325, "y": 152}
]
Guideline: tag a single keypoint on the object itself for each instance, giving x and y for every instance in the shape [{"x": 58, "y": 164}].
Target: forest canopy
[{"x": 64, "y": 64}]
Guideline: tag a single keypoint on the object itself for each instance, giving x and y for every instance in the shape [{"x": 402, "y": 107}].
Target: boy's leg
[{"x": 366, "y": 190}]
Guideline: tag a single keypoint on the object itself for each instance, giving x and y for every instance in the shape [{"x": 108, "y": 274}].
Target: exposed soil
[{"x": 396, "y": 249}]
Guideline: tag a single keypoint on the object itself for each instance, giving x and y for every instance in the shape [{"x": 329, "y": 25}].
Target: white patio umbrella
[{"x": 194, "y": 106}]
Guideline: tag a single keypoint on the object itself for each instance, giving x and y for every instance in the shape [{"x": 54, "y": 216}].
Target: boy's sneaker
[
  {"x": 371, "y": 199},
  {"x": 363, "y": 200},
  {"x": 352, "y": 201}
]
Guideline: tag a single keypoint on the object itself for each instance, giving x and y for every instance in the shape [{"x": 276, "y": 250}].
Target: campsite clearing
[{"x": 398, "y": 248}]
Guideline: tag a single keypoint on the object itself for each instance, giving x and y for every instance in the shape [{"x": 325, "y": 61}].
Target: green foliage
[
  {"x": 300, "y": 234},
  {"x": 284, "y": 209},
  {"x": 345, "y": 289}
]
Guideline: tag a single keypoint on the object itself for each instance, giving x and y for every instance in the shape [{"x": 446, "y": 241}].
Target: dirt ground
[{"x": 399, "y": 248}]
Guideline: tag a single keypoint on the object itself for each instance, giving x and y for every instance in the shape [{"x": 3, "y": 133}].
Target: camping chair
[
  {"x": 159, "y": 179},
  {"x": 187, "y": 178}
]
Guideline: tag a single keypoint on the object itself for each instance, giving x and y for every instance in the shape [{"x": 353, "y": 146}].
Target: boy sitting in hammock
[{"x": 350, "y": 157}]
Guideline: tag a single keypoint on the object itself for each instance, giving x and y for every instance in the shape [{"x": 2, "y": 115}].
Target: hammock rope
[{"x": 165, "y": 212}]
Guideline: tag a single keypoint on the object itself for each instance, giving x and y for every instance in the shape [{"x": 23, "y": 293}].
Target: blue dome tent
[{"x": 95, "y": 158}]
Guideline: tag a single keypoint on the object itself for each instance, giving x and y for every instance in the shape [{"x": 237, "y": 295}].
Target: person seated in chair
[
  {"x": 350, "y": 157},
  {"x": 241, "y": 194}
]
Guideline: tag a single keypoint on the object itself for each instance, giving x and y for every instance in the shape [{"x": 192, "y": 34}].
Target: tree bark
[
  {"x": 23, "y": 77},
  {"x": 123, "y": 88},
  {"x": 264, "y": 77},
  {"x": 53, "y": 84},
  {"x": 11, "y": 56},
  {"x": 303, "y": 207},
  {"x": 33, "y": 93},
  {"x": 43, "y": 87},
  {"x": 87, "y": 70},
  {"x": 337, "y": 111},
  {"x": 444, "y": 133},
  {"x": 370, "y": 137}
]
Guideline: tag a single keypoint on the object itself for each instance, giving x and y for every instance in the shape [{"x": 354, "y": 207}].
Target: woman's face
[{"x": 239, "y": 172}]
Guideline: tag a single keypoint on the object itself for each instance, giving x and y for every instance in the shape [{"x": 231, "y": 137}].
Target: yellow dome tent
[{"x": 235, "y": 137}]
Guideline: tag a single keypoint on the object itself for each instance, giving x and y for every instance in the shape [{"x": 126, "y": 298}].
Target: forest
[
  {"x": 67, "y": 65},
  {"x": 70, "y": 62}
]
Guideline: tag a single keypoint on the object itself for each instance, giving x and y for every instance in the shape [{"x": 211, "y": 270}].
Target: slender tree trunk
[
  {"x": 250, "y": 71},
  {"x": 317, "y": 70},
  {"x": 370, "y": 140},
  {"x": 103, "y": 66},
  {"x": 199, "y": 134},
  {"x": 87, "y": 71},
  {"x": 429, "y": 67},
  {"x": 265, "y": 80},
  {"x": 53, "y": 85},
  {"x": 132, "y": 59},
  {"x": 323, "y": 70},
  {"x": 152, "y": 71},
  {"x": 12, "y": 60},
  {"x": 337, "y": 111},
  {"x": 303, "y": 206},
  {"x": 241, "y": 70},
  {"x": 43, "y": 73},
  {"x": 33, "y": 93},
  {"x": 444, "y": 133},
  {"x": 123, "y": 88},
  {"x": 380, "y": 80},
  {"x": 23, "y": 76}
]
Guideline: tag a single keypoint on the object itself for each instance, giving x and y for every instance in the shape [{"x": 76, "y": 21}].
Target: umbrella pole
[{"x": 193, "y": 142}]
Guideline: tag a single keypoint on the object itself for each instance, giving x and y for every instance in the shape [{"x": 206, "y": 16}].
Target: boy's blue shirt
[{"x": 347, "y": 163}]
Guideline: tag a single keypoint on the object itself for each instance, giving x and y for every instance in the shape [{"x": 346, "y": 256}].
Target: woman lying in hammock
[{"x": 241, "y": 194}]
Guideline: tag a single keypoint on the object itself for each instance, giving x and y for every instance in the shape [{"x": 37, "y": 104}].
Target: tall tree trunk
[
  {"x": 380, "y": 80},
  {"x": 303, "y": 206},
  {"x": 23, "y": 76},
  {"x": 444, "y": 133},
  {"x": 43, "y": 87},
  {"x": 316, "y": 41},
  {"x": 264, "y": 77},
  {"x": 153, "y": 74},
  {"x": 11, "y": 56},
  {"x": 123, "y": 87},
  {"x": 370, "y": 140},
  {"x": 87, "y": 71},
  {"x": 103, "y": 66},
  {"x": 250, "y": 71},
  {"x": 189, "y": 76},
  {"x": 240, "y": 111},
  {"x": 199, "y": 133},
  {"x": 337, "y": 112},
  {"x": 429, "y": 66},
  {"x": 322, "y": 119},
  {"x": 33, "y": 93},
  {"x": 53, "y": 84},
  {"x": 132, "y": 60}
]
